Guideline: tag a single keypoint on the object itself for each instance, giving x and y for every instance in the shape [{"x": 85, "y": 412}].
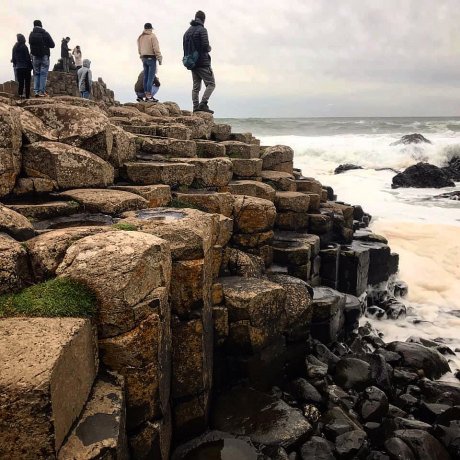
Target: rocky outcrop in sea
[{"x": 172, "y": 289}]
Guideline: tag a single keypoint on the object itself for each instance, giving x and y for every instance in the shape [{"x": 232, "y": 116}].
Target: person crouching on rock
[
  {"x": 85, "y": 79},
  {"x": 139, "y": 88},
  {"x": 149, "y": 52},
  {"x": 23, "y": 64},
  {"x": 197, "y": 59}
]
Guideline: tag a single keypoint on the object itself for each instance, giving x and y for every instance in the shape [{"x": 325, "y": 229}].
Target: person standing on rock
[
  {"x": 85, "y": 79},
  {"x": 23, "y": 65},
  {"x": 197, "y": 59},
  {"x": 65, "y": 53},
  {"x": 149, "y": 52},
  {"x": 40, "y": 43}
]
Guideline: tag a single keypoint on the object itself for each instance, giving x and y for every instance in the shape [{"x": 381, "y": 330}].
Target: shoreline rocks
[{"x": 422, "y": 175}]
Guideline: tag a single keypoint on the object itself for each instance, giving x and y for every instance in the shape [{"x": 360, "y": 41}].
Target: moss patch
[
  {"x": 125, "y": 226},
  {"x": 53, "y": 298}
]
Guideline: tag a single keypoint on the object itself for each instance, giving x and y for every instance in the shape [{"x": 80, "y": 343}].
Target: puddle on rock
[
  {"x": 159, "y": 214},
  {"x": 75, "y": 220}
]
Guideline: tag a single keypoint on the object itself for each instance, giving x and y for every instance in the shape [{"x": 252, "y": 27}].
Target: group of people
[
  {"x": 38, "y": 60},
  {"x": 196, "y": 59}
]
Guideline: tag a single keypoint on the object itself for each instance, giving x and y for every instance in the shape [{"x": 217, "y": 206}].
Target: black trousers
[{"x": 24, "y": 78}]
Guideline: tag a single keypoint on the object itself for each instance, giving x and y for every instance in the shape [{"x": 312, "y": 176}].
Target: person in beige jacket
[{"x": 149, "y": 52}]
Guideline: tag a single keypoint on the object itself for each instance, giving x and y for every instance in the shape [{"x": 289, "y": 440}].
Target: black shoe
[
  {"x": 203, "y": 107},
  {"x": 139, "y": 99}
]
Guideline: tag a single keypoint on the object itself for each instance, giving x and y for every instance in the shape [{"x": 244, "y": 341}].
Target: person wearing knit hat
[
  {"x": 197, "y": 59},
  {"x": 149, "y": 52}
]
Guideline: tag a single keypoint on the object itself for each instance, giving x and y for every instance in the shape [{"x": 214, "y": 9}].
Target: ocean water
[{"x": 425, "y": 231}]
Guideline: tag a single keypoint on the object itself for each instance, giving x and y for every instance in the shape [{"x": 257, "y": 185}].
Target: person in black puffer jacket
[
  {"x": 23, "y": 65},
  {"x": 40, "y": 43},
  {"x": 197, "y": 36}
]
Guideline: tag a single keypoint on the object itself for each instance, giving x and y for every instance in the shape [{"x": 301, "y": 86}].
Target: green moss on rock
[
  {"x": 125, "y": 226},
  {"x": 59, "y": 297}
]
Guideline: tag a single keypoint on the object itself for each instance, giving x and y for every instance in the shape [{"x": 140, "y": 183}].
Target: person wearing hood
[
  {"x": 149, "y": 52},
  {"x": 85, "y": 79},
  {"x": 40, "y": 43},
  {"x": 23, "y": 65},
  {"x": 196, "y": 44},
  {"x": 65, "y": 53}
]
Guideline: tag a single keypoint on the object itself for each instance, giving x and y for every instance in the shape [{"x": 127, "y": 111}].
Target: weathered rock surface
[
  {"x": 69, "y": 167},
  {"x": 15, "y": 224},
  {"x": 412, "y": 139},
  {"x": 123, "y": 269},
  {"x": 48, "y": 368},
  {"x": 156, "y": 195},
  {"x": 422, "y": 175},
  {"x": 106, "y": 201},
  {"x": 262, "y": 418},
  {"x": 252, "y": 215}
]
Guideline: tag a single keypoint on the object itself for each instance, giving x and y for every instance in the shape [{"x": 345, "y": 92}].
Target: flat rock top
[
  {"x": 236, "y": 286},
  {"x": 30, "y": 347},
  {"x": 93, "y": 195}
]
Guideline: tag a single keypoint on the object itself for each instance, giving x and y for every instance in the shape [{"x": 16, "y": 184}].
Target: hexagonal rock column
[
  {"x": 278, "y": 158},
  {"x": 173, "y": 174},
  {"x": 48, "y": 368},
  {"x": 253, "y": 225},
  {"x": 193, "y": 236},
  {"x": 68, "y": 166},
  {"x": 292, "y": 210},
  {"x": 130, "y": 273},
  {"x": 10, "y": 143}
]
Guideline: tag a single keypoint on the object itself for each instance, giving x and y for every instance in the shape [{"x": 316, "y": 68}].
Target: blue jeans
[
  {"x": 150, "y": 65},
  {"x": 84, "y": 94},
  {"x": 41, "y": 66}
]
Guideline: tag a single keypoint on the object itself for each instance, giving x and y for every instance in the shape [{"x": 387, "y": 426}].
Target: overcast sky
[{"x": 271, "y": 58}]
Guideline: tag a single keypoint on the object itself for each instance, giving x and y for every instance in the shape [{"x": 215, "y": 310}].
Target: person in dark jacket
[
  {"x": 202, "y": 72},
  {"x": 40, "y": 43},
  {"x": 23, "y": 65},
  {"x": 65, "y": 53},
  {"x": 85, "y": 79}
]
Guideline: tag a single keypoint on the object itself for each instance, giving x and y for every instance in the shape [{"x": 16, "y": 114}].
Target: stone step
[
  {"x": 221, "y": 132},
  {"x": 292, "y": 201},
  {"x": 292, "y": 221},
  {"x": 278, "y": 158},
  {"x": 208, "y": 201},
  {"x": 235, "y": 149},
  {"x": 173, "y": 131},
  {"x": 253, "y": 215},
  {"x": 173, "y": 174},
  {"x": 105, "y": 201},
  {"x": 156, "y": 195},
  {"x": 279, "y": 180},
  {"x": 308, "y": 184},
  {"x": 255, "y": 307},
  {"x": 246, "y": 168},
  {"x": 169, "y": 148},
  {"x": 46, "y": 210},
  {"x": 210, "y": 172},
  {"x": 209, "y": 149},
  {"x": 252, "y": 188},
  {"x": 101, "y": 428},
  {"x": 247, "y": 138},
  {"x": 46, "y": 363}
]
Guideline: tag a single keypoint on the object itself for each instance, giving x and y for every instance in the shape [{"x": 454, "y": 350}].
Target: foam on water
[{"x": 424, "y": 231}]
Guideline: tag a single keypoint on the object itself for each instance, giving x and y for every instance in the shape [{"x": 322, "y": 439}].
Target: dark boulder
[
  {"x": 304, "y": 391},
  {"x": 440, "y": 392},
  {"x": 416, "y": 356},
  {"x": 455, "y": 195},
  {"x": 349, "y": 445},
  {"x": 317, "y": 448},
  {"x": 412, "y": 139},
  {"x": 373, "y": 405},
  {"x": 452, "y": 169},
  {"x": 336, "y": 422},
  {"x": 346, "y": 167},
  {"x": 423, "y": 444},
  {"x": 422, "y": 175},
  {"x": 398, "y": 449},
  {"x": 352, "y": 373},
  {"x": 450, "y": 437}
]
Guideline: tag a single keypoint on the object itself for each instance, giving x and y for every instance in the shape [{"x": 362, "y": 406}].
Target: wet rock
[
  {"x": 351, "y": 443},
  {"x": 450, "y": 437},
  {"x": 373, "y": 405},
  {"x": 15, "y": 224},
  {"x": 217, "y": 445},
  {"x": 352, "y": 373},
  {"x": 336, "y": 422},
  {"x": 440, "y": 392},
  {"x": 304, "y": 391},
  {"x": 316, "y": 369},
  {"x": 317, "y": 448},
  {"x": 422, "y": 175},
  {"x": 452, "y": 169},
  {"x": 398, "y": 449},
  {"x": 346, "y": 167},
  {"x": 101, "y": 427},
  {"x": 400, "y": 289},
  {"x": 416, "y": 357},
  {"x": 412, "y": 139},
  {"x": 354, "y": 269},
  {"x": 263, "y": 418},
  {"x": 423, "y": 444}
]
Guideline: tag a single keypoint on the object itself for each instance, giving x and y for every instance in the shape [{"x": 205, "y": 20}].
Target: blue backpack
[{"x": 191, "y": 54}]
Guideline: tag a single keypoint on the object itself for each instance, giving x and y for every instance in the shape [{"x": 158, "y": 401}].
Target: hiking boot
[
  {"x": 139, "y": 99},
  {"x": 203, "y": 107}
]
